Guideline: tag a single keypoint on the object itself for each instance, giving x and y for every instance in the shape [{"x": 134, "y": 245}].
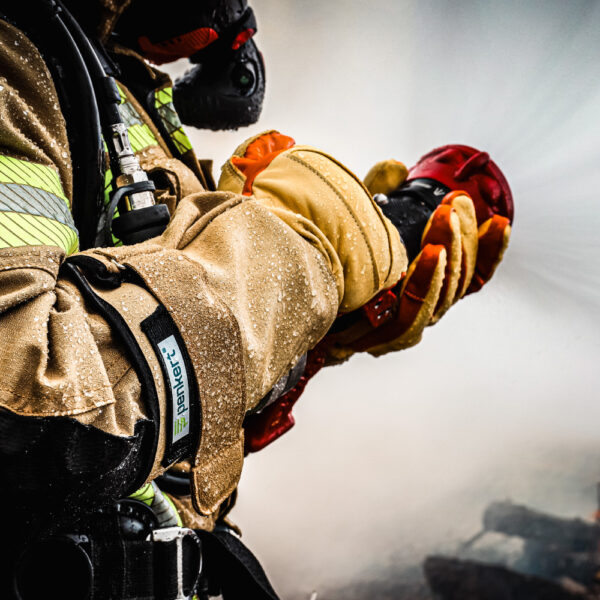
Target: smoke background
[{"x": 395, "y": 457}]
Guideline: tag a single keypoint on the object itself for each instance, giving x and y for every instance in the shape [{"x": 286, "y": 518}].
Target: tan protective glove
[
  {"x": 327, "y": 205},
  {"x": 324, "y": 202},
  {"x": 457, "y": 257}
]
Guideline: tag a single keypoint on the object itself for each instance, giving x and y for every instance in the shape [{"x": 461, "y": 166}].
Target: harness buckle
[{"x": 177, "y": 535}]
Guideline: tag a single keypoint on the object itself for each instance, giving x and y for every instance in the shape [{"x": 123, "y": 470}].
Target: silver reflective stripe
[
  {"x": 129, "y": 115},
  {"x": 29, "y": 200}
]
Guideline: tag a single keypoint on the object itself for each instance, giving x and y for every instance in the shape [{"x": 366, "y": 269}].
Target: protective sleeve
[{"x": 248, "y": 296}]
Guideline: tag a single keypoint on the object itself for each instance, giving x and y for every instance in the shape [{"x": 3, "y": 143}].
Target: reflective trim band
[
  {"x": 108, "y": 180},
  {"x": 163, "y": 102},
  {"x": 163, "y": 507},
  {"x": 164, "y": 96},
  {"x": 173, "y": 511},
  {"x": 181, "y": 141},
  {"x": 122, "y": 94},
  {"x": 19, "y": 229},
  {"x": 140, "y": 135},
  {"x": 34, "y": 201},
  {"x": 15, "y": 170},
  {"x": 145, "y": 494},
  {"x": 129, "y": 115}
]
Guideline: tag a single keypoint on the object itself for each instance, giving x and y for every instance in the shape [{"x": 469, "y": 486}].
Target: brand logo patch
[{"x": 180, "y": 393}]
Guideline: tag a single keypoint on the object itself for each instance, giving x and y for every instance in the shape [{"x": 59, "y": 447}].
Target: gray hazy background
[{"x": 394, "y": 457}]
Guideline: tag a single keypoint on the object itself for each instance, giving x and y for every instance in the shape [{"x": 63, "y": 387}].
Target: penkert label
[
  {"x": 180, "y": 393},
  {"x": 183, "y": 416}
]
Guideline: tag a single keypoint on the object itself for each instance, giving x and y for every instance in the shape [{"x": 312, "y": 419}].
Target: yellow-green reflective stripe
[
  {"x": 129, "y": 115},
  {"x": 175, "y": 511},
  {"x": 108, "y": 179},
  {"x": 18, "y": 229},
  {"x": 145, "y": 494},
  {"x": 122, "y": 94},
  {"x": 30, "y": 200},
  {"x": 15, "y": 170},
  {"x": 141, "y": 137},
  {"x": 163, "y": 102},
  {"x": 181, "y": 140},
  {"x": 163, "y": 96}
]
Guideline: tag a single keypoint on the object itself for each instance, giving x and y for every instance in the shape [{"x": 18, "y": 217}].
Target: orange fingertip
[
  {"x": 450, "y": 196},
  {"x": 492, "y": 243},
  {"x": 440, "y": 228},
  {"x": 441, "y": 232}
]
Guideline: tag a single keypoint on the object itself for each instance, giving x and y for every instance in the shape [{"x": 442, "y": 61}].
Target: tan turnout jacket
[{"x": 251, "y": 282}]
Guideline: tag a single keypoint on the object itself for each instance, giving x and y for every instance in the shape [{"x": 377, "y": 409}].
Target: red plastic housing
[{"x": 465, "y": 168}]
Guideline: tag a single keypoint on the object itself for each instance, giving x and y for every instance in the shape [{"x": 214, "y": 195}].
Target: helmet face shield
[
  {"x": 225, "y": 87},
  {"x": 224, "y": 90}
]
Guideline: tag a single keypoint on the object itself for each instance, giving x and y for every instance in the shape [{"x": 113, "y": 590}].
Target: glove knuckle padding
[{"x": 330, "y": 208}]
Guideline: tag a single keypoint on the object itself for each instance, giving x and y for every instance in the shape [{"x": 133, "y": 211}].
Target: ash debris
[{"x": 559, "y": 559}]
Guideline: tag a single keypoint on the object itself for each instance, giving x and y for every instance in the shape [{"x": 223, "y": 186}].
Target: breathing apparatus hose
[{"x": 140, "y": 217}]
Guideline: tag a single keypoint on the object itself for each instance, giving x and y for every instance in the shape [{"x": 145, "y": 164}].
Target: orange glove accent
[
  {"x": 463, "y": 205},
  {"x": 259, "y": 154},
  {"x": 418, "y": 294},
  {"x": 444, "y": 228},
  {"x": 437, "y": 277},
  {"x": 493, "y": 240}
]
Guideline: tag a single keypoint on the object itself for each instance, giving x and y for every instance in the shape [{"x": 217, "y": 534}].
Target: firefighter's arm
[
  {"x": 87, "y": 406},
  {"x": 90, "y": 407},
  {"x": 93, "y": 349}
]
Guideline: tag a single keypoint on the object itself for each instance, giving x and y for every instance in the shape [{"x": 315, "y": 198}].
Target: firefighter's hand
[{"x": 457, "y": 256}]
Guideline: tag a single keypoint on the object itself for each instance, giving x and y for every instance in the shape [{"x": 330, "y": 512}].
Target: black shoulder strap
[{"x": 231, "y": 569}]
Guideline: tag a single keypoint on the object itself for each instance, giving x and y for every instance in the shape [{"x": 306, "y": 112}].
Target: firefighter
[{"x": 168, "y": 357}]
